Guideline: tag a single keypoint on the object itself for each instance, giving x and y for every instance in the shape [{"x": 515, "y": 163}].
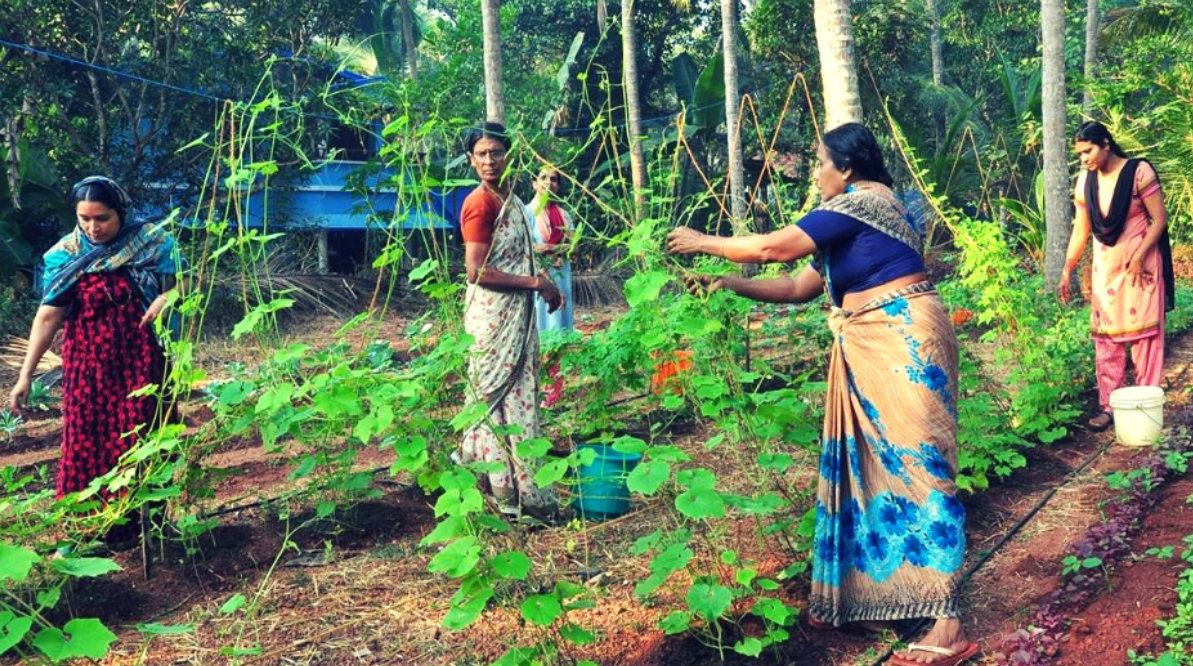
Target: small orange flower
[{"x": 961, "y": 315}]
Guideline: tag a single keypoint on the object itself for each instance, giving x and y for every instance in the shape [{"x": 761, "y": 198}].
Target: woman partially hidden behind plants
[
  {"x": 499, "y": 314},
  {"x": 890, "y": 534},
  {"x": 1120, "y": 201},
  {"x": 104, "y": 284}
]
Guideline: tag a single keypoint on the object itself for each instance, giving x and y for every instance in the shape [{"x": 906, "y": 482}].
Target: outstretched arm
[
  {"x": 803, "y": 287},
  {"x": 787, "y": 244}
]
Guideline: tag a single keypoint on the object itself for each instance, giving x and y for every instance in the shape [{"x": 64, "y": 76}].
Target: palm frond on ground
[
  {"x": 13, "y": 355},
  {"x": 279, "y": 275}
]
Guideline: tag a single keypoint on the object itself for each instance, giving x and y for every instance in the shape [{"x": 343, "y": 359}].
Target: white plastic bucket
[{"x": 1138, "y": 414}]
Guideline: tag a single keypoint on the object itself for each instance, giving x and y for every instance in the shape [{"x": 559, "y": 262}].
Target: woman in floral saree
[
  {"x": 890, "y": 536},
  {"x": 499, "y": 314}
]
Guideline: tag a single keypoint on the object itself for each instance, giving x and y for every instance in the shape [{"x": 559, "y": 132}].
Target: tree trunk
[
  {"x": 937, "y": 70},
  {"x": 408, "y": 39},
  {"x": 1057, "y": 208},
  {"x": 1091, "y": 54},
  {"x": 633, "y": 108},
  {"x": 13, "y": 129},
  {"x": 737, "y": 175},
  {"x": 494, "y": 93},
  {"x": 838, "y": 69},
  {"x": 324, "y": 264}
]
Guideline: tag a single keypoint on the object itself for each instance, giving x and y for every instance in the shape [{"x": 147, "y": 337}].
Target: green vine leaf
[
  {"x": 709, "y": 601},
  {"x": 541, "y": 609},
  {"x": 457, "y": 559},
  {"x": 701, "y": 503},
  {"x": 774, "y": 610},
  {"x": 577, "y": 634},
  {"x": 696, "y": 479},
  {"x": 234, "y": 392},
  {"x": 449, "y": 528},
  {"x": 676, "y": 622},
  {"x": 423, "y": 270},
  {"x": 749, "y": 646},
  {"x": 12, "y": 629},
  {"x": 232, "y": 605},
  {"x": 85, "y": 567},
  {"x": 467, "y": 611},
  {"x": 469, "y": 416},
  {"x": 645, "y": 287},
  {"x": 15, "y": 562},
  {"x": 648, "y": 477},
  {"x": 79, "y": 638},
  {"x": 674, "y": 558},
  {"x": 512, "y": 564},
  {"x": 551, "y": 473}
]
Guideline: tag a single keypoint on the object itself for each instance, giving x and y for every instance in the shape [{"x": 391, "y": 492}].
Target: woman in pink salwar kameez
[{"x": 1119, "y": 200}]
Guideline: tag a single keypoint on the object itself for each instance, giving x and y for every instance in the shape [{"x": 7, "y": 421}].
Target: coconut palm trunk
[
  {"x": 494, "y": 91},
  {"x": 737, "y": 175},
  {"x": 838, "y": 67},
  {"x": 1057, "y": 209},
  {"x": 408, "y": 38},
  {"x": 936, "y": 42},
  {"x": 629, "y": 49},
  {"x": 1092, "y": 28}
]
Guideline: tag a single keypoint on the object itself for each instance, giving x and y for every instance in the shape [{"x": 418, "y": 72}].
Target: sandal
[
  {"x": 947, "y": 657},
  {"x": 1100, "y": 422}
]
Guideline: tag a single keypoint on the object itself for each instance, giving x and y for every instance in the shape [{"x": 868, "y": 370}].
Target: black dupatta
[{"x": 1108, "y": 228}]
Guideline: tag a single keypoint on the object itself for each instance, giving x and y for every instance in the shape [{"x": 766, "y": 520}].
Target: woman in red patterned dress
[{"x": 104, "y": 284}]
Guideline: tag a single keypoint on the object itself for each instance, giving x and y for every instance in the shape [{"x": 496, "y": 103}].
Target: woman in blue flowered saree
[{"x": 890, "y": 531}]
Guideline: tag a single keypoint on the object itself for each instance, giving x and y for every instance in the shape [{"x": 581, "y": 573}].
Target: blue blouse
[{"x": 853, "y": 256}]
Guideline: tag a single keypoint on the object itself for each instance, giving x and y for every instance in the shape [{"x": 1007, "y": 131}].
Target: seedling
[
  {"x": 40, "y": 398},
  {"x": 9, "y": 422}
]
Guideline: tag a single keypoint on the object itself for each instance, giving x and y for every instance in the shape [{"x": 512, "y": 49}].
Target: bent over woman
[
  {"x": 104, "y": 284},
  {"x": 889, "y": 528}
]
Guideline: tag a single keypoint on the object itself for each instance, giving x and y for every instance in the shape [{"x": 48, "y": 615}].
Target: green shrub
[{"x": 17, "y": 307}]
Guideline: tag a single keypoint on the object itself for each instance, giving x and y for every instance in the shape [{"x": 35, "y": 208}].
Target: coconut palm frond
[
  {"x": 279, "y": 275},
  {"x": 597, "y": 290},
  {"x": 1127, "y": 24},
  {"x": 13, "y": 355}
]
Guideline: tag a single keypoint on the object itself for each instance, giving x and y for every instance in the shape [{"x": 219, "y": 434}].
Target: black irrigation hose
[
  {"x": 919, "y": 625},
  {"x": 270, "y": 500}
]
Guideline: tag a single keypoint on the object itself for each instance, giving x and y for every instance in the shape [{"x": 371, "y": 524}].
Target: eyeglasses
[
  {"x": 552, "y": 179},
  {"x": 491, "y": 155}
]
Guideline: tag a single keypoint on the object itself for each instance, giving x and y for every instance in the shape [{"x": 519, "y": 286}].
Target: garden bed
[{"x": 359, "y": 592}]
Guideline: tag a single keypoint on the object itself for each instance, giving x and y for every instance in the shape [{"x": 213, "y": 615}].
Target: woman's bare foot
[{"x": 946, "y": 633}]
